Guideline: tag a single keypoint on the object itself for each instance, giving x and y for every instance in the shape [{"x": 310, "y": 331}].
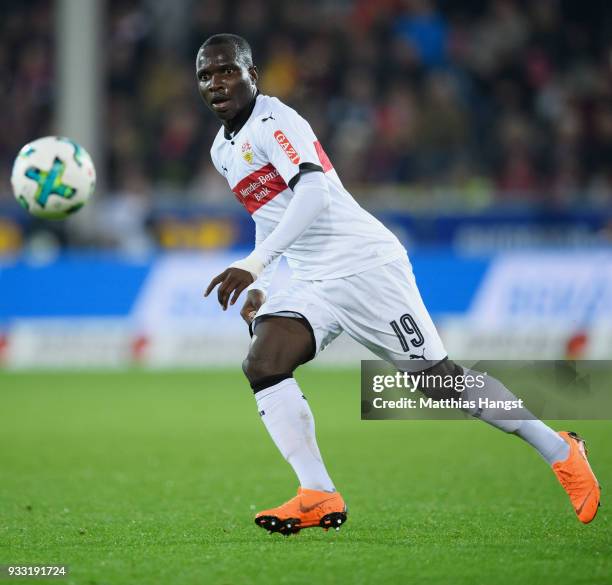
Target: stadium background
[
  {"x": 130, "y": 447},
  {"x": 480, "y": 132}
]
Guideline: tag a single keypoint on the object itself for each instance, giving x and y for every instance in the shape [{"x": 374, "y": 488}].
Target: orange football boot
[
  {"x": 577, "y": 478},
  {"x": 309, "y": 508}
]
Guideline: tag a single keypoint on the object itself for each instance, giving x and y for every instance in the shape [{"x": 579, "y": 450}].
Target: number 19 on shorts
[{"x": 407, "y": 332}]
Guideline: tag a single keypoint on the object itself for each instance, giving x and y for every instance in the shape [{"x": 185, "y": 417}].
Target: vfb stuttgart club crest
[{"x": 247, "y": 152}]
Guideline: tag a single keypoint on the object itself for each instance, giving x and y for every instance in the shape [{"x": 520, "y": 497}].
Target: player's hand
[
  {"x": 231, "y": 280},
  {"x": 254, "y": 300}
]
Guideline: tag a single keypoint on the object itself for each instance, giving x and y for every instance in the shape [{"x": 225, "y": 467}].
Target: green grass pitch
[{"x": 154, "y": 477}]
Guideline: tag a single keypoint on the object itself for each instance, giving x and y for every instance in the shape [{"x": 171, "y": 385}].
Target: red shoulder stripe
[{"x": 323, "y": 158}]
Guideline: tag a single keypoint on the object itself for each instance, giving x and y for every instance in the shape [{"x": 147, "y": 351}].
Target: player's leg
[
  {"x": 383, "y": 310},
  {"x": 279, "y": 346},
  {"x": 565, "y": 452},
  {"x": 522, "y": 423}
]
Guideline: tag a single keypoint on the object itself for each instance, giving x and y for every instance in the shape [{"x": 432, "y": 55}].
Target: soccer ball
[{"x": 53, "y": 177}]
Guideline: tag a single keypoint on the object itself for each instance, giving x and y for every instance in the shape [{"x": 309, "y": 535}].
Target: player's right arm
[
  {"x": 257, "y": 291},
  {"x": 289, "y": 144}
]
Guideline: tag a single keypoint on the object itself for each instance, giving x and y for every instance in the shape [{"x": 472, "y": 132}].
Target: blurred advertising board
[
  {"x": 496, "y": 229},
  {"x": 106, "y": 310},
  {"x": 220, "y": 227}
]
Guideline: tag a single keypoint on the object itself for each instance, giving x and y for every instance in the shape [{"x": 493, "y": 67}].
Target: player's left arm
[{"x": 289, "y": 144}]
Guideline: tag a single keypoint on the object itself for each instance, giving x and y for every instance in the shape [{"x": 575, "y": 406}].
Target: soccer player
[{"x": 350, "y": 274}]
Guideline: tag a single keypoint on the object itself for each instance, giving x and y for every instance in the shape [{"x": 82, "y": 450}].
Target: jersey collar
[{"x": 241, "y": 119}]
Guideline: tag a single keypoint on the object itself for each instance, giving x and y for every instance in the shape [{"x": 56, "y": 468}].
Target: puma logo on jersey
[{"x": 294, "y": 157}]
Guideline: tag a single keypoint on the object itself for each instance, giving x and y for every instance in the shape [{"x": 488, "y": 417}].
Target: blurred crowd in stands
[{"x": 456, "y": 103}]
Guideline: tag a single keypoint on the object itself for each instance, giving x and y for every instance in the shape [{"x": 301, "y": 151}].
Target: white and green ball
[{"x": 53, "y": 177}]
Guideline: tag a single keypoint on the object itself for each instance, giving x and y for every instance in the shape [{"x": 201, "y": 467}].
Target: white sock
[
  {"x": 288, "y": 418},
  {"x": 540, "y": 436},
  {"x": 547, "y": 442}
]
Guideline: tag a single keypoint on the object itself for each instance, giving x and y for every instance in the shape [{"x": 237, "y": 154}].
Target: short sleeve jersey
[{"x": 262, "y": 163}]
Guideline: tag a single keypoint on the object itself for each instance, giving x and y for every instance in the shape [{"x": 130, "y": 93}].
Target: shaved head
[{"x": 242, "y": 49}]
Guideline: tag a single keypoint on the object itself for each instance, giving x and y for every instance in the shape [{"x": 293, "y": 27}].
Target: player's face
[{"x": 224, "y": 83}]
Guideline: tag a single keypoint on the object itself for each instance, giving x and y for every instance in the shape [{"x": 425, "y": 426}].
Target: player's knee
[
  {"x": 257, "y": 368},
  {"x": 251, "y": 367},
  {"x": 439, "y": 381}
]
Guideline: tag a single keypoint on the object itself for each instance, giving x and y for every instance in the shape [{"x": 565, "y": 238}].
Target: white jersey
[{"x": 262, "y": 163}]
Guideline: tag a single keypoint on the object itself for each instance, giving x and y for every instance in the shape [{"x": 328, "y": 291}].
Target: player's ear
[{"x": 253, "y": 74}]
